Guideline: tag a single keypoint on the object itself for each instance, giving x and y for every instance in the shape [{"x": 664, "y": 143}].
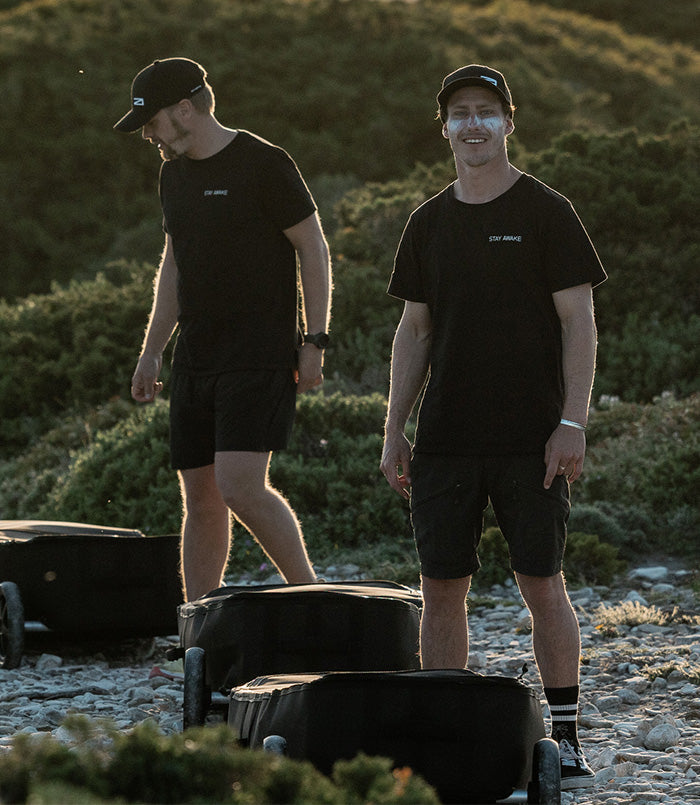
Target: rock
[
  {"x": 608, "y": 703},
  {"x": 48, "y": 661},
  {"x": 628, "y": 696},
  {"x": 638, "y": 684},
  {"x": 650, "y": 573},
  {"x": 662, "y": 737},
  {"x": 663, "y": 589},
  {"x": 634, "y": 597}
]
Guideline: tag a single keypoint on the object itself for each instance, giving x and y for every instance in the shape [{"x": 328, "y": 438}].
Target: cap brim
[
  {"x": 133, "y": 120},
  {"x": 471, "y": 81}
]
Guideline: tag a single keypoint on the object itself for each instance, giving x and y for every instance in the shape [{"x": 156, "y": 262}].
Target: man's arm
[
  {"x": 409, "y": 369},
  {"x": 315, "y": 270},
  {"x": 565, "y": 450},
  {"x": 145, "y": 385}
]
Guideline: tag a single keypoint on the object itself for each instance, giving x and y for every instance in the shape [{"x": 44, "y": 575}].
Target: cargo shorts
[{"x": 450, "y": 493}]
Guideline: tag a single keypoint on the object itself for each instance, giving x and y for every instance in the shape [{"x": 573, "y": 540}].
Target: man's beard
[{"x": 167, "y": 151}]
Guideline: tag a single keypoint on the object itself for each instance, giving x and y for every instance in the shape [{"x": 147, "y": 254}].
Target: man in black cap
[
  {"x": 496, "y": 273},
  {"x": 237, "y": 215}
]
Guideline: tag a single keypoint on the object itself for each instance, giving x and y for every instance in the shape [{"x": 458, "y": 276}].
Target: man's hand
[
  {"x": 309, "y": 373},
  {"x": 145, "y": 386},
  {"x": 396, "y": 463},
  {"x": 564, "y": 454}
]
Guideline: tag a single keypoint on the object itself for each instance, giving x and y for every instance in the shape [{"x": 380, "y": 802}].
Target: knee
[
  {"x": 445, "y": 594},
  {"x": 243, "y": 499},
  {"x": 543, "y": 593}
]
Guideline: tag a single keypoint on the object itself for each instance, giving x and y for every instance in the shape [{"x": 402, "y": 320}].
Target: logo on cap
[{"x": 139, "y": 102}]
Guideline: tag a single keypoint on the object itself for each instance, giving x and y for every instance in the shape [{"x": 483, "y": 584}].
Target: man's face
[
  {"x": 166, "y": 131},
  {"x": 476, "y": 125}
]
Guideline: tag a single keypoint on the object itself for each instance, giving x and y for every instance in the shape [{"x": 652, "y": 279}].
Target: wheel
[
  {"x": 11, "y": 625},
  {"x": 196, "y": 696},
  {"x": 545, "y": 787},
  {"x": 275, "y": 745}
]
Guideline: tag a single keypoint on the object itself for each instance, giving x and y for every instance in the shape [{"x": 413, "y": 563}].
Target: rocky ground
[{"x": 640, "y": 681}]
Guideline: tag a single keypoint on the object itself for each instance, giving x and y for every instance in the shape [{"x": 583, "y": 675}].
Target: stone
[
  {"x": 650, "y": 573},
  {"x": 662, "y": 737},
  {"x": 634, "y": 597},
  {"x": 628, "y": 696},
  {"x": 48, "y": 661}
]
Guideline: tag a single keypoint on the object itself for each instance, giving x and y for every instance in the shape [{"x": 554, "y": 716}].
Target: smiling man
[
  {"x": 496, "y": 273},
  {"x": 237, "y": 217}
]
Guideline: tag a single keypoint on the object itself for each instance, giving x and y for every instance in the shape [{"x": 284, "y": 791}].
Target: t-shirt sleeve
[
  {"x": 283, "y": 192},
  {"x": 569, "y": 256},
  {"x": 406, "y": 279}
]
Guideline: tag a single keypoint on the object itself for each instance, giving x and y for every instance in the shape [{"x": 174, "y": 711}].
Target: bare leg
[
  {"x": 206, "y": 532},
  {"x": 444, "y": 634},
  {"x": 555, "y": 631},
  {"x": 242, "y": 478}
]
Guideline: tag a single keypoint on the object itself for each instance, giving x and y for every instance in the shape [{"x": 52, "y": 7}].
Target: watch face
[{"x": 319, "y": 340}]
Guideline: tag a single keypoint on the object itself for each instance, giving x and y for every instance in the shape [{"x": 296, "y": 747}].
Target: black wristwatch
[{"x": 319, "y": 340}]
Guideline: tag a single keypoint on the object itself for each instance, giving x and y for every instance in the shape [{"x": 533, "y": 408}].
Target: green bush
[
  {"x": 494, "y": 557},
  {"x": 597, "y": 519},
  {"x": 206, "y": 764},
  {"x": 588, "y": 560},
  {"x": 86, "y": 185},
  {"x": 74, "y": 348},
  {"x": 121, "y": 476},
  {"x": 646, "y": 458}
]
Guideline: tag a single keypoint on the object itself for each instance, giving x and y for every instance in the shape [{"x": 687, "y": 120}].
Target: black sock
[{"x": 563, "y": 708}]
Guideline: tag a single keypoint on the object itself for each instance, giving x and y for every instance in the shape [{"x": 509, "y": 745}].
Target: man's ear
[
  {"x": 445, "y": 133},
  {"x": 510, "y": 125},
  {"x": 184, "y": 109}
]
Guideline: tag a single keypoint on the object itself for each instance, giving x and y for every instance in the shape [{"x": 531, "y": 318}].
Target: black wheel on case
[
  {"x": 11, "y": 626},
  {"x": 545, "y": 788},
  {"x": 196, "y": 696}
]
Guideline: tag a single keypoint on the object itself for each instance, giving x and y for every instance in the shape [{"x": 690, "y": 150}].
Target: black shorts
[
  {"x": 247, "y": 410},
  {"x": 448, "y": 498}
]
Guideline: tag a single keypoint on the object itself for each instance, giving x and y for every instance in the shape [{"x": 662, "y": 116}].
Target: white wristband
[{"x": 571, "y": 424}]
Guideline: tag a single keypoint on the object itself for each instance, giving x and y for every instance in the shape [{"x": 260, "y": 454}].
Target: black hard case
[
  {"x": 92, "y": 580},
  {"x": 267, "y": 629},
  {"x": 470, "y": 736}
]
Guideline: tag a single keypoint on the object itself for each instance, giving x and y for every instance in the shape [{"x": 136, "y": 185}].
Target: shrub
[
  {"x": 121, "y": 476},
  {"x": 494, "y": 557},
  {"x": 588, "y": 560},
  {"x": 599, "y": 520},
  {"x": 569, "y": 69},
  {"x": 206, "y": 764},
  {"x": 72, "y": 349},
  {"x": 647, "y": 458}
]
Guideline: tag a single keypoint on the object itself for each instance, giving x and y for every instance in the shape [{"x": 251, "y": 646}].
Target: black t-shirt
[
  {"x": 487, "y": 273},
  {"x": 237, "y": 278}
]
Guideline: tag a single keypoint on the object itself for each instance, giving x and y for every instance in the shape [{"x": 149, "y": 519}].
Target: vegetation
[
  {"x": 206, "y": 764},
  {"x": 78, "y": 191}
]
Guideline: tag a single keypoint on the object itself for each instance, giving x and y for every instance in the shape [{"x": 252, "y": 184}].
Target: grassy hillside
[{"x": 347, "y": 87}]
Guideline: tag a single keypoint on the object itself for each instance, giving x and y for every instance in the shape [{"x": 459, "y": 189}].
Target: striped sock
[{"x": 563, "y": 708}]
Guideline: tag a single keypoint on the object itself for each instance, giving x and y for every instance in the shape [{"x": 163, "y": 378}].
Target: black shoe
[{"x": 575, "y": 772}]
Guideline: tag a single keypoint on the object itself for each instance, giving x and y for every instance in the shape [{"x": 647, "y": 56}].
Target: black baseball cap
[
  {"x": 474, "y": 75},
  {"x": 161, "y": 84}
]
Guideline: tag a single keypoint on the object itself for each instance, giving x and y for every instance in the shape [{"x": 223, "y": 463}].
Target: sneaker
[{"x": 575, "y": 772}]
